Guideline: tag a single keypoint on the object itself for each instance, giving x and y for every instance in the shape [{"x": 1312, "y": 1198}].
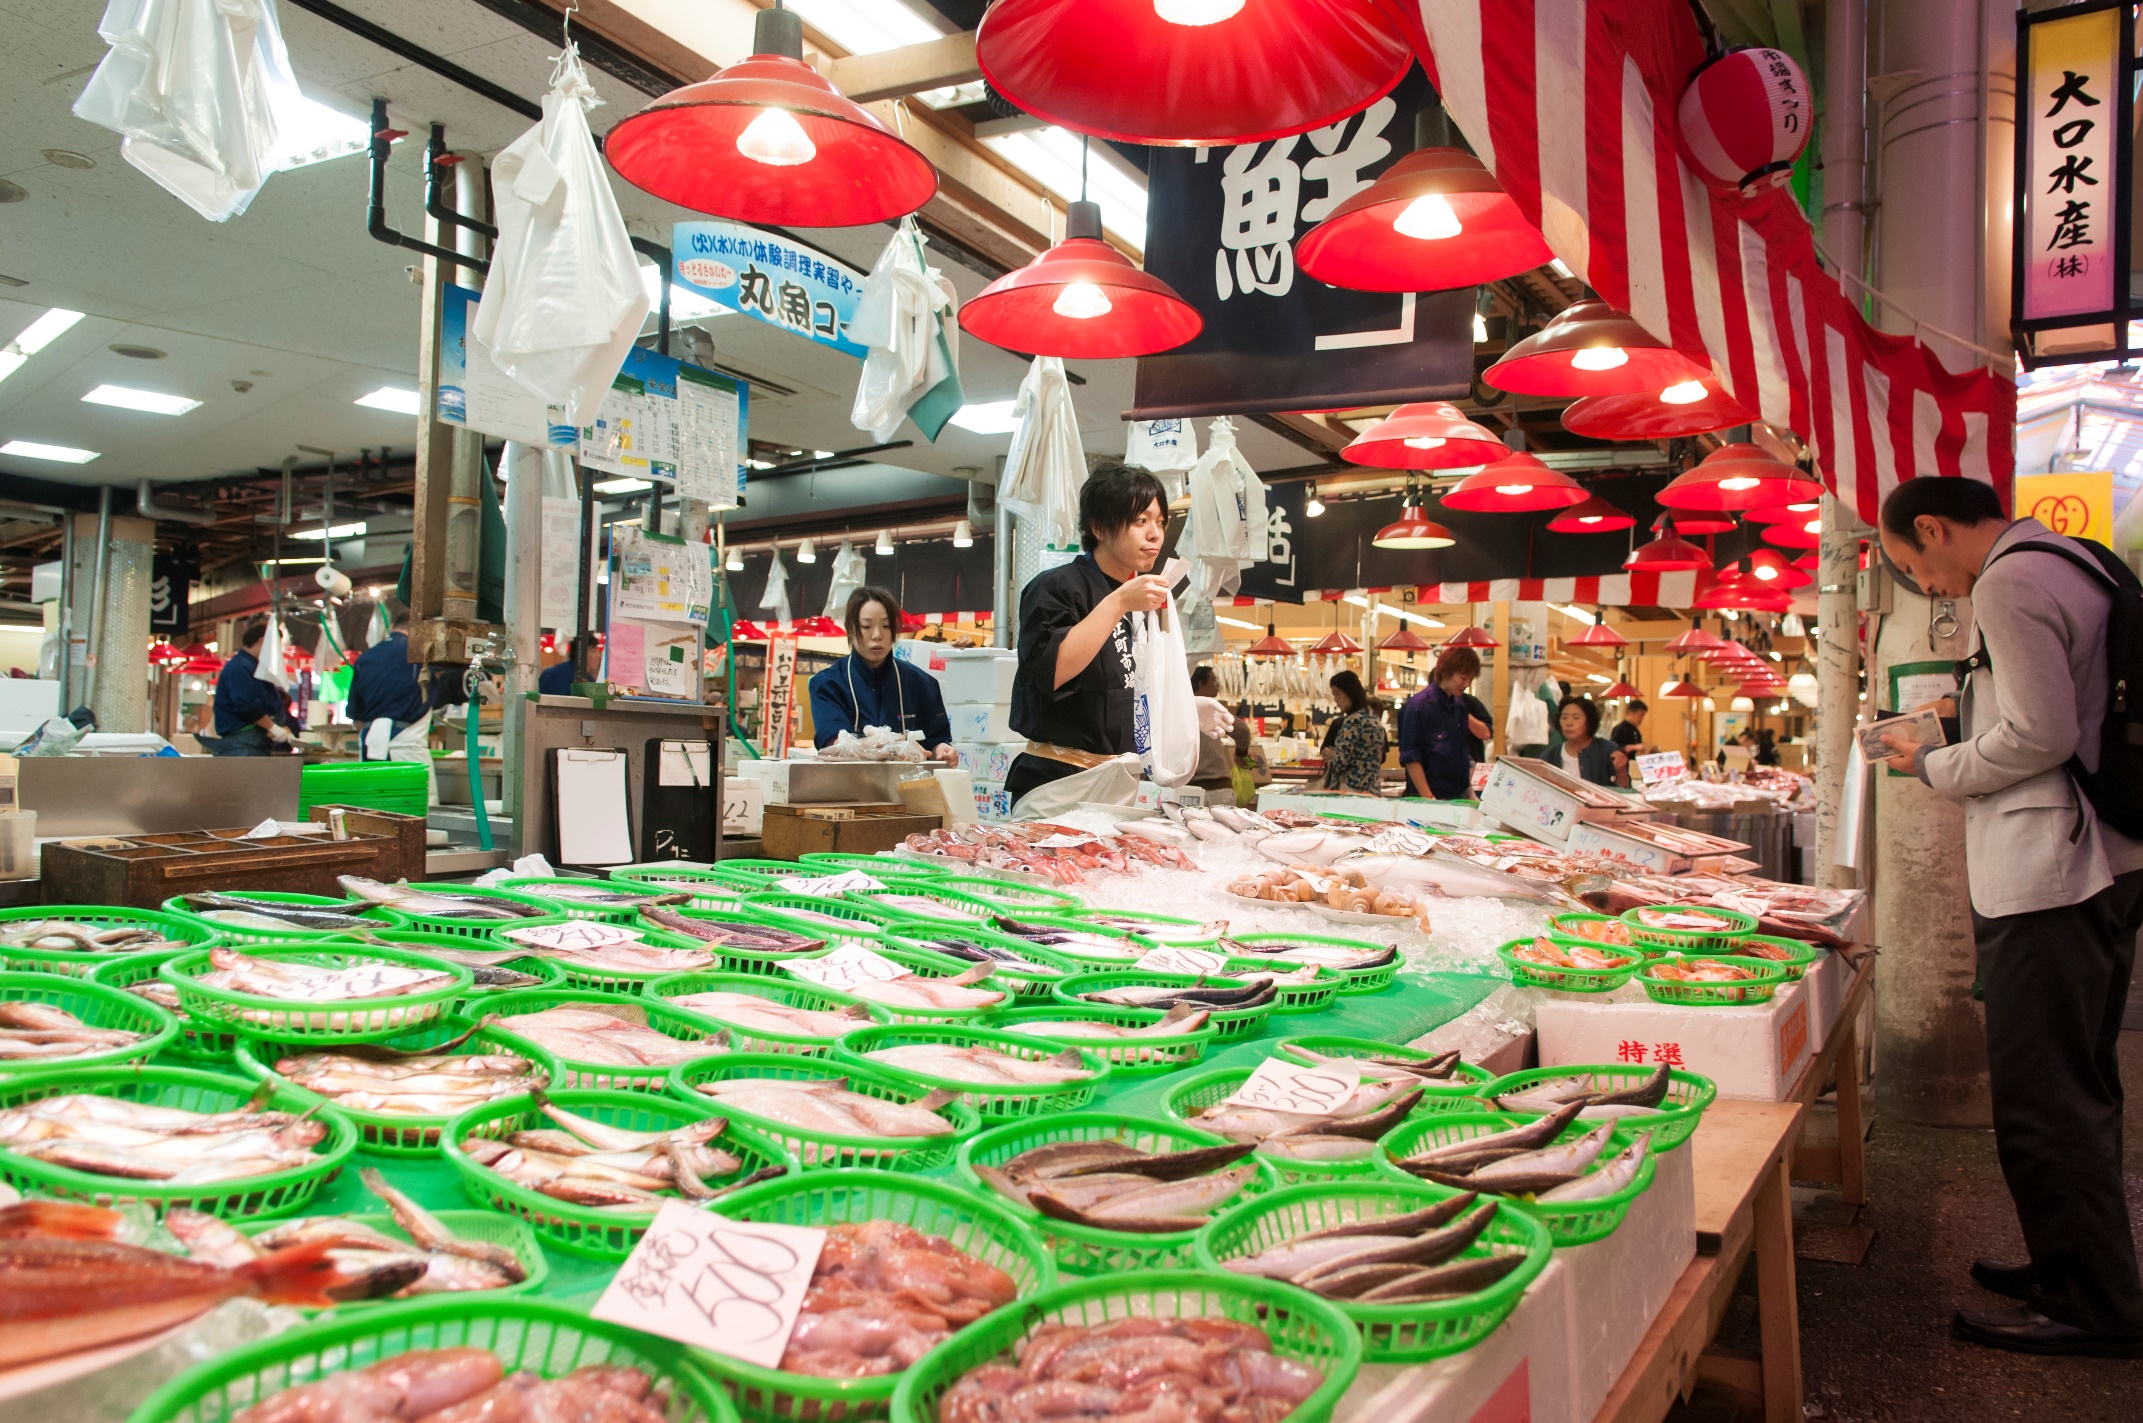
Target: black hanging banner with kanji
[{"x": 1221, "y": 224}]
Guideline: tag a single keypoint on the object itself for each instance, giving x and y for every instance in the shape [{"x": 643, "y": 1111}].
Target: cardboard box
[
  {"x": 789, "y": 832},
  {"x": 1619, "y": 1285},
  {"x": 978, "y": 674},
  {"x": 1519, "y": 1374},
  {"x": 1534, "y": 805},
  {"x": 982, "y": 721},
  {"x": 1753, "y": 1052}
]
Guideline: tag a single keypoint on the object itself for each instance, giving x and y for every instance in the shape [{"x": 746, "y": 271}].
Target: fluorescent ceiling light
[
  {"x": 11, "y": 361},
  {"x": 685, "y": 303},
  {"x": 1596, "y": 677},
  {"x": 308, "y": 132},
  {"x": 1237, "y": 623},
  {"x": 149, "y": 402},
  {"x": 627, "y": 485},
  {"x": 293, "y": 562},
  {"x": 1360, "y": 602},
  {"x": 44, "y": 330},
  {"x": 391, "y": 399},
  {"x": 340, "y": 531},
  {"x": 1569, "y": 611},
  {"x": 994, "y": 418},
  {"x": 61, "y": 454},
  {"x": 1051, "y": 157},
  {"x": 1560, "y": 268}
]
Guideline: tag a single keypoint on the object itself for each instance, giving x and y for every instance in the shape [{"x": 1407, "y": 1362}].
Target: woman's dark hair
[
  {"x": 1961, "y": 501},
  {"x": 1112, "y": 499},
  {"x": 1585, "y": 705},
  {"x": 1348, "y": 685},
  {"x": 1456, "y": 661},
  {"x": 853, "y": 621}
]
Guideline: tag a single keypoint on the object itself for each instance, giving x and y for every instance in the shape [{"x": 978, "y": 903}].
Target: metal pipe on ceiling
[{"x": 145, "y": 504}]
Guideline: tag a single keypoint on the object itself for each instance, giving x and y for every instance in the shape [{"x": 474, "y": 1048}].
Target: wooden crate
[
  {"x": 789, "y": 832},
  {"x": 145, "y": 870}
]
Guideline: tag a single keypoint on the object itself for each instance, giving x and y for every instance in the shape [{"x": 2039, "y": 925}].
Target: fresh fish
[
  {"x": 830, "y": 1108},
  {"x": 608, "y": 1038},
  {"x": 30, "y": 1030},
  {"x": 996, "y": 955},
  {"x": 1068, "y": 1158},
  {"x": 463, "y": 1385},
  {"x": 111, "y": 1137},
  {"x": 210, "y": 1240},
  {"x": 754, "y": 938},
  {"x": 633, "y": 958},
  {"x": 434, "y": 904},
  {"x": 1620, "y": 1170},
  {"x": 1368, "y": 1125},
  {"x": 604, "y": 1137},
  {"x": 1411, "y": 1224},
  {"x": 1161, "y": 1206},
  {"x": 1167, "y": 1165},
  {"x": 1534, "y": 1171},
  {"x": 1448, "y": 875},
  {"x": 1305, "y": 1253},
  {"x": 985, "y": 1065},
  {"x": 77, "y": 937},
  {"x": 606, "y": 894},
  {"x": 1310, "y": 847},
  {"x": 1085, "y": 941},
  {"x": 1389, "y": 1069},
  {"x": 272, "y": 914},
  {"x": 1251, "y": 993},
  {"x": 430, "y": 1232},
  {"x": 1317, "y": 1148},
  {"x": 1546, "y": 1096},
  {"x": 273, "y": 978},
  {"x": 752, "y": 1013},
  {"x": 1352, "y": 1281},
  {"x": 1181, "y": 1020},
  {"x": 917, "y": 991},
  {"x": 1320, "y": 955},
  {"x": 1521, "y": 1138},
  {"x": 1461, "y": 1277},
  {"x": 1431, "y": 1247}
]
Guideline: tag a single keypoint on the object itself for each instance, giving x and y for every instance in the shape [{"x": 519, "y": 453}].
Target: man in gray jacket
[{"x": 2057, "y": 900}]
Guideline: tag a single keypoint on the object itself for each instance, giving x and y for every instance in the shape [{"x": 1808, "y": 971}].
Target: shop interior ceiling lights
[
  {"x": 1414, "y": 529},
  {"x": 1081, "y": 299},
  {"x": 1590, "y": 348},
  {"x": 1594, "y": 516},
  {"x": 1619, "y": 691},
  {"x": 1429, "y": 434},
  {"x": 1271, "y": 645},
  {"x": 1335, "y": 643},
  {"x": 1516, "y": 484},
  {"x": 1795, "y": 513},
  {"x": 1184, "y": 72},
  {"x": 1696, "y": 640},
  {"x": 768, "y": 140},
  {"x": 1473, "y": 637},
  {"x": 1669, "y": 553},
  {"x": 1742, "y": 594},
  {"x": 1806, "y": 533},
  {"x": 1683, "y": 690},
  {"x": 1771, "y": 569},
  {"x": 1405, "y": 640},
  {"x": 1691, "y": 524},
  {"x": 1598, "y": 635},
  {"x": 1739, "y": 476},
  {"x": 1694, "y": 407}
]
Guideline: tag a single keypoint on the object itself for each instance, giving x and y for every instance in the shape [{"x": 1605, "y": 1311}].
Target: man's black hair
[
  {"x": 1961, "y": 501},
  {"x": 1204, "y": 677},
  {"x": 1112, "y": 499},
  {"x": 252, "y": 634},
  {"x": 1634, "y": 704}
]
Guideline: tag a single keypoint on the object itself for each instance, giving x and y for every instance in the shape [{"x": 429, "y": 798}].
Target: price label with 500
[
  {"x": 1283, "y": 1086},
  {"x": 731, "y": 1286}
]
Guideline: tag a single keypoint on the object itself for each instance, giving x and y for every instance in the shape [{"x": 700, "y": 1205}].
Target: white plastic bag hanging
[
  {"x": 775, "y": 598},
  {"x": 270, "y": 657},
  {"x": 563, "y": 300},
  {"x": 1046, "y": 466},
  {"x": 904, "y": 316},
  {"x": 849, "y": 573},
  {"x": 379, "y": 628},
  {"x": 1164, "y": 713},
  {"x": 1166, "y": 448},
  {"x": 1224, "y": 532}
]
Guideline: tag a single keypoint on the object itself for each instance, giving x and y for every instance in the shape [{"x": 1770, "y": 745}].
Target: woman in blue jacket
[
  {"x": 1433, "y": 727},
  {"x": 871, "y": 687}
]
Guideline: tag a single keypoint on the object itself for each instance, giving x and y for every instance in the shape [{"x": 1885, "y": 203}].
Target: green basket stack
[
  {"x": 816, "y": 1149},
  {"x": 344, "y": 1020},
  {"x": 1125, "y": 1056},
  {"x": 856, "y": 921},
  {"x": 1227, "y": 1023},
  {"x": 80, "y": 963},
  {"x": 1353, "y": 980},
  {"x": 97, "y": 1006},
  {"x": 1463, "y": 1087},
  {"x": 510, "y": 1233},
  {"x": 641, "y": 1010},
  {"x": 1529, "y": 974},
  {"x": 403, "y": 787},
  {"x": 1391, "y": 1333},
  {"x": 708, "y": 886},
  {"x": 1184, "y": 1100},
  {"x": 930, "y": 902},
  {"x": 833, "y": 862},
  {"x": 1573, "y": 925},
  {"x": 730, "y": 959},
  {"x": 764, "y": 871},
  {"x": 208, "y": 1044},
  {"x": 481, "y": 929},
  {"x": 1767, "y": 978},
  {"x": 240, "y": 935},
  {"x": 782, "y": 989},
  {"x": 1733, "y": 924},
  {"x": 1569, "y": 1222},
  {"x": 1688, "y": 1094},
  {"x": 615, "y": 978},
  {"x": 993, "y": 1101}
]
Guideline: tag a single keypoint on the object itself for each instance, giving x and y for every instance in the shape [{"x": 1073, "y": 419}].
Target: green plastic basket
[
  {"x": 1391, "y": 1333},
  {"x": 483, "y": 1227},
  {"x": 1160, "y": 928},
  {"x": 197, "y": 1043},
  {"x": 588, "y": 1231},
  {"x": 728, "y": 959},
  {"x": 1352, "y": 980},
  {"x": 1688, "y": 1094},
  {"x": 1801, "y": 955},
  {"x": 1564, "y": 926},
  {"x": 471, "y": 1002},
  {"x": 765, "y": 871},
  {"x": 991, "y": 1101},
  {"x": 913, "y": 945},
  {"x": 1003, "y": 896},
  {"x": 550, "y": 1339},
  {"x": 1569, "y": 1222},
  {"x": 788, "y": 991},
  {"x": 1302, "y": 1327},
  {"x": 709, "y": 888},
  {"x": 980, "y": 1228},
  {"x": 1691, "y": 941},
  {"x": 1227, "y": 1023},
  {"x": 237, "y": 935},
  {"x": 394, "y": 1133},
  {"x": 1185, "y": 1099},
  {"x": 1464, "y": 1084},
  {"x": 816, "y": 1149},
  {"x": 80, "y": 963},
  {"x": 928, "y": 902},
  {"x": 349, "y": 1020},
  {"x": 1307, "y": 997},
  {"x": 1770, "y": 977},
  {"x": 402, "y": 787},
  {"x": 273, "y": 1194},
  {"x": 1086, "y": 1249},
  {"x": 833, "y": 862},
  {"x": 1093, "y": 962},
  {"x": 483, "y": 930},
  {"x": 533, "y": 887},
  {"x": 604, "y": 979},
  {"x": 851, "y": 919},
  {"x": 1126, "y": 1057},
  {"x": 1568, "y": 980},
  {"x": 97, "y": 1006},
  {"x": 656, "y": 1013}
]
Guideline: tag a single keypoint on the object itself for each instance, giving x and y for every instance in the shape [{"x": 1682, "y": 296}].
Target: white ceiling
[{"x": 294, "y": 297}]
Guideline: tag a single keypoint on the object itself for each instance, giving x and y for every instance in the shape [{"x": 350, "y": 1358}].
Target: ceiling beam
[{"x": 911, "y": 69}]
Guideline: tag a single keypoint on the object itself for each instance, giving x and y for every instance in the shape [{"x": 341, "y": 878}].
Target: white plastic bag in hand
[
  {"x": 1046, "y": 466},
  {"x": 563, "y": 299},
  {"x": 1164, "y": 714}
]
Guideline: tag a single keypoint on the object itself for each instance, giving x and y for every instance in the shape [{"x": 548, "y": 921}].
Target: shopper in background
[
  {"x": 1071, "y": 697},
  {"x": 1247, "y": 770},
  {"x": 871, "y": 687},
  {"x": 1433, "y": 727},
  {"x": 2057, "y": 899},
  {"x": 1628, "y": 734},
  {"x": 1766, "y": 747},
  {"x": 557, "y": 679},
  {"x": 1354, "y": 744},
  {"x": 252, "y": 716},
  {"x": 385, "y": 686},
  {"x": 1581, "y": 752},
  {"x": 1216, "y": 753}
]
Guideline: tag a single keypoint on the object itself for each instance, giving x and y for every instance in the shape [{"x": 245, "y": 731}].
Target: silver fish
[
  {"x": 1550, "y": 1166},
  {"x": 434, "y": 904},
  {"x": 1620, "y": 1170}
]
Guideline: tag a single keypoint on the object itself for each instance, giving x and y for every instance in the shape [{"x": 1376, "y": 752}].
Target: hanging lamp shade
[
  {"x": 1805, "y": 533},
  {"x": 1739, "y": 476},
  {"x": 1694, "y": 407},
  {"x": 1429, "y": 434},
  {"x": 1696, "y": 640},
  {"x": 1516, "y": 484},
  {"x": 1473, "y": 637},
  {"x": 1771, "y": 569},
  {"x": 1188, "y": 72},
  {"x": 161, "y": 653},
  {"x": 1270, "y": 645},
  {"x": 1743, "y": 594},
  {"x": 1684, "y": 690},
  {"x": 1404, "y": 640},
  {"x": 1669, "y": 553},
  {"x": 1798, "y": 512},
  {"x": 1695, "y": 525},
  {"x": 1335, "y": 643},
  {"x": 1594, "y": 516},
  {"x": 1413, "y": 530},
  {"x": 1598, "y": 635},
  {"x": 1082, "y": 298},
  {"x": 1619, "y": 690},
  {"x": 768, "y": 140},
  {"x": 1591, "y": 349}
]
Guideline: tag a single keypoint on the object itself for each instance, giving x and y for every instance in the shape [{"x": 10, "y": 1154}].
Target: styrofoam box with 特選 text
[
  {"x": 986, "y": 761},
  {"x": 1754, "y": 1051},
  {"x": 981, "y": 721},
  {"x": 1619, "y": 1285},
  {"x": 1518, "y": 1374},
  {"x": 978, "y": 674}
]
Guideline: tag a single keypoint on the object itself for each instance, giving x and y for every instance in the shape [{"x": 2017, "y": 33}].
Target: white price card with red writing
[
  {"x": 827, "y": 884},
  {"x": 846, "y": 967},
  {"x": 732, "y": 1286},
  {"x": 1175, "y": 958},
  {"x": 576, "y": 934},
  {"x": 1283, "y": 1086},
  {"x": 1662, "y": 766}
]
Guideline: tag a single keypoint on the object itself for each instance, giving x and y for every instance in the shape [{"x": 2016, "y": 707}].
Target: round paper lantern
[{"x": 1744, "y": 118}]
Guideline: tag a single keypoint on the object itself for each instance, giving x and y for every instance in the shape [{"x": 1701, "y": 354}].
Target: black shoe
[
  {"x": 2012, "y": 1281},
  {"x": 2026, "y": 1331}
]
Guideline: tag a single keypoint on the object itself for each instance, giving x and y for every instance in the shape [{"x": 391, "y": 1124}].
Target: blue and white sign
[
  {"x": 476, "y": 394},
  {"x": 775, "y": 279}
]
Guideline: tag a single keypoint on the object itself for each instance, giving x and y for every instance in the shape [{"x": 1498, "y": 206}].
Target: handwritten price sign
[
  {"x": 731, "y": 1286},
  {"x": 1282, "y": 1086},
  {"x": 846, "y": 967},
  {"x": 828, "y": 884},
  {"x": 579, "y": 934},
  {"x": 1174, "y": 958}
]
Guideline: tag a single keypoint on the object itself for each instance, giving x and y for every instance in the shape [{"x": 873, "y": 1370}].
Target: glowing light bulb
[
  {"x": 1424, "y": 442},
  {"x": 1809, "y": 508},
  {"x": 1689, "y": 392},
  {"x": 1766, "y": 572},
  {"x": 1741, "y": 482},
  {"x": 1591, "y": 518},
  {"x": 775, "y": 138},
  {"x": 1813, "y": 526},
  {"x": 1427, "y": 219},
  {"x": 1600, "y": 358},
  {"x": 1081, "y": 301},
  {"x": 1313, "y": 508},
  {"x": 1197, "y": 12},
  {"x": 1514, "y": 489}
]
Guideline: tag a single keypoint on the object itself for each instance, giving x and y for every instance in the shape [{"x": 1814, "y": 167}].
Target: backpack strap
[{"x": 2096, "y": 564}]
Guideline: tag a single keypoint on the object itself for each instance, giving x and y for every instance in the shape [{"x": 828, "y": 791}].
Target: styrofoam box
[
  {"x": 1619, "y": 1285},
  {"x": 986, "y": 761},
  {"x": 1825, "y": 983},
  {"x": 1752, "y": 1052},
  {"x": 743, "y": 805},
  {"x": 1528, "y": 806},
  {"x": 978, "y": 674},
  {"x": 981, "y": 721},
  {"x": 1519, "y": 1374},
  {"x": 991, "y": 802},
  {"x": 924, "y": 656}
]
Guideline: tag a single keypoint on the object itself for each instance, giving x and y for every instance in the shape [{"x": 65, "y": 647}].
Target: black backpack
[{"x": 2115, "y": 789}]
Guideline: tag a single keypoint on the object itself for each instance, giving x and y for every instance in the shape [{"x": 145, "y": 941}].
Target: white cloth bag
[
  {"x": 563, "y": 300},
  {"x": 1113, "y": 782},
  {"x": 849, "y": 573},
  {"x": 1046, "y": 466},
  {"x": 775, "y": 597},
  {"x": 904, "y": 316}
]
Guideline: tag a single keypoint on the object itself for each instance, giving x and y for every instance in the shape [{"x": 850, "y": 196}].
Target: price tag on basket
[
  {"x": 827, "y": 884},
  {"x": 1661, "y": 767},
  {"x": 731, "y": 1286},
  {"x": 1175, "y": 958},
  {"x": 1283, "y": 1086},
  {"x": 846, "y": 967},
  {"x": 578, "y": 934}
]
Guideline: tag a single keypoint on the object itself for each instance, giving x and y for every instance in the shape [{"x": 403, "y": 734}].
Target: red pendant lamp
[
  {"x": 1694, "y": 407},
  {"x": 1598, "y": 635},
  {"x": 1414, "y": 529},
  {"x": 1516, "y": 484},
  {"x": 1270, "y": 645},
  {"x": 1428, "y": 434},
  {"x": 1795, "y": 513},
  {"x": 1739, "y": 476},
  {"x": 1694, "y": 524},
  {"x": 1806, "y": 532},
  {"x": 1594, "y": 516},
  {"x": 1335, "y": 644},
  {"x": 1082, "y": 298},
  {"x": 1684, "y": 690},
  {"x": 1697, "y": 639},
  {"x": 1770, "y": 569},
  {"x": 1618, "y": 691},
  {"x": 1808, "y": 563},
  {"x": 1744, "y": 594},
  {"x": 768, "y": 140},
  {"x": 1436, "y": 219},
  {"x": 1669, "y": 553},
  {"x": 1591, "y": 349},
  {"x": 1404, "y": 640},
  {"x": 1190, "y": 71},
  {"x": 1473, "y": 637}
]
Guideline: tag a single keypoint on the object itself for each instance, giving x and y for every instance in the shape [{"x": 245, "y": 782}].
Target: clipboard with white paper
[{"x": 590, "y": 806}]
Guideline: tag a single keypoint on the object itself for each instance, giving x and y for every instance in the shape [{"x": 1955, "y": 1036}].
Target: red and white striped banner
[
  {"x": 1572, "y": 104},
  {"x": 1612, "y": 590}
]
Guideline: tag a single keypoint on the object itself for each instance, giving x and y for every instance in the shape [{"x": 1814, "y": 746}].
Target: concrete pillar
[
  {"x": 523, "y": 466},
  {"x": 122, "y": 683}
]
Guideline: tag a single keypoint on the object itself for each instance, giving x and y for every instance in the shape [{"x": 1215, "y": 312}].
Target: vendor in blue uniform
[
  {"x": 871, "y": 687},
  {"x": 252, "y": 716},
  {"x": 557, "y": 679},
  {"x": 385, "y": 686},
  {"x": 1071, "y": 695}
]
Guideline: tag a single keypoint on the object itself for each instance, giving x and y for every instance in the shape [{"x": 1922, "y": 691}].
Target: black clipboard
[{"x": 682, "y": 820}]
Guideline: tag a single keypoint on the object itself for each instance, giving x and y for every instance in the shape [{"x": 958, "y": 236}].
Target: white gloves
[
  {"x": 282, "y": 733},
  {"x": 1213, "y": 718}
]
